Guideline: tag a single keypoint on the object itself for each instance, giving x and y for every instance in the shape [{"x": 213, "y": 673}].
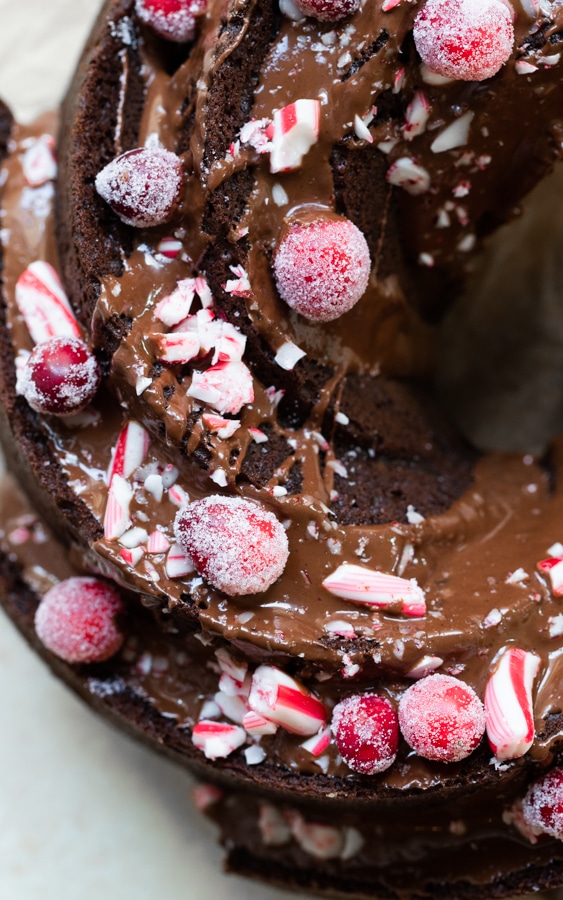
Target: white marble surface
[{"x": 84, "y": 812}]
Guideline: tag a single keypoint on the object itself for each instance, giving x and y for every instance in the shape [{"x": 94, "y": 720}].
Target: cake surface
[{"x": 342, "y": 440}]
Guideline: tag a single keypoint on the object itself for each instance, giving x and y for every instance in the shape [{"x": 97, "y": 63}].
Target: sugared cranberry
[
  {"x": 468, "y": 40},
  {"x": 60, "y": 377},
  {"x": 366, "y": 731},
  {"x": 328, "y": 10},
  {"x": 542, "y": 807},
  {"x": 238, "y": 546},
  {"x": 174, "y": 20},
  {"x": 75, "y": 620},
  {"x": 322, "y": 267},
  {"x": 442, "y": 718},
  {"x": 143, "y": 187}
]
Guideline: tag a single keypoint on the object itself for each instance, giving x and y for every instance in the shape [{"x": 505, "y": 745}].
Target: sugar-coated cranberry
[
  {"x": 442, "y": 718},
  {"x": 60, "y": 377},
  {"x": 468, "y": 40},
  {"x": 238, "y": 546},
  {"x": 366, "y": 731},
  {"x": 75, "y": 620},
  {"x": 175, "y": 20},
  {"x": 322, "y": 267},
  {"x": 328, "y": 10},
  {"x": 542, "y": 807},
  {"x": 142, "y": 186}
]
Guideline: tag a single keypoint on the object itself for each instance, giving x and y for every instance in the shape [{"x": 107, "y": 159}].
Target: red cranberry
[
  {"x": 366, "y": 731},
  {"x": 542, "y": 807},
  {"x": 464, "y": 39},
  {"x": 322, "y": 267},
  {"x": 174, "y": 20},
  {"x": 442, "y": 718},
  {"x": 143, "y": 187},
  {"x": 75, "y": 620},
  {"x": 328, "y": 10},
  {"x": 61, "y": 376},
  {"x": 238, "y": 546}
]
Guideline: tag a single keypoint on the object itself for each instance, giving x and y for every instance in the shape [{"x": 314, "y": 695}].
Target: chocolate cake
[{"x": 334, "y": 611}]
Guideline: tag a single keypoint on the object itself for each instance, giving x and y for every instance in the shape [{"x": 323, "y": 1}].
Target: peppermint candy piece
[
  {"x": 283, "y": 700},
  {"x": 39, "y": 163},
  {"x": 508, "y": 703},
  {"x": 117, "y": 518},
  {"x": 409, "y": 175},
  {"x": 226, "y": 387},
  {"x": 552, "y": 569},
  {"x": 177, "y": 348},
  {"x": 295, "y": 130},
  {"x": 372, "y": 588},
  {"x": 41, "y": 300},
  {"x": 130, "y": 450},
  {"x": 217, "y": 740}
]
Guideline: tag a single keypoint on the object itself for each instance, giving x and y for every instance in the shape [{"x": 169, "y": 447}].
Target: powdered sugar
[
  {"x": 322, "y": 268},
  {"x": 143, "y": 187},
  {"x": 239, "y": 547},
  {"x": 442, "y": 718},
  {"x": 366, "y": 731},
  {"x": 464, "y": 39},
  {"x": 75, "y": 620}
]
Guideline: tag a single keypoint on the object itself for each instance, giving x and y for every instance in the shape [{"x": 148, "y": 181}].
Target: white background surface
[{"x": 84, "y": 812}]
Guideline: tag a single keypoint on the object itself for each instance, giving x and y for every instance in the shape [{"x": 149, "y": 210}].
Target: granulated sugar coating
[
  {"x": 469, "y": 40},
  {"x": 143, "y": 187},
  {"x": 542, "y": 807},
  {"x": 442, "y": 718},
  {"x": 366, "y": 731},
  {"x": 239, "y": 547},
  {"x": 76, "y": 620},
  {"x": 174, "y": 20},
  {"x": 61, "y": 377},
  {"x": 322, "y": 269},
  {"x": 328, "y": 10}
]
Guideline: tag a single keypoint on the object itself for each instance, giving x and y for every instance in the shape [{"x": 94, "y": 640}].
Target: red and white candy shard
[
  {"x": 117, "y": 518},
  {"x": 366, "y": 731},
  {"x": 61, "y": 376},
  {"x": 294, "y": 131},
  {"x": 409, "y": 175},
  {"x": 206, "y": 795},
  {"x": 274, "y": 830},
  {"x": 372, "y": 588},
  {"x": 416, "y": 116},
  {"x": 552, "y": 568},
  {"x": 468, "y": 40},
  {"x": 217, "y": 739},
  {"x": 442, "y": 718},
  {"x": 142, "y": 186},
  {"x": 328, "y": 10},
  {"x": 41, "y": 300},
  {"x": 226, "y": 387},
  {"x": 508, "y": 703},
  {"x": 178, "y": 565},
  {"x": 75, "y": 620},
  {"x": 319, "y": 840},
  {"x": 239, "y": 547},
  {"x": 258, "y": 725},
  {"x": 542, "y": 807},
  {"x": 39, "y": 163},
  {"x": 130, "y": 450},
  {"x": 283, "y": 700},
  {"x": 175, "y": 20},
  {"x": 180, "y": 347},
  {"x": 175, "y": 307},
  {"x": 322, "y": 268}
]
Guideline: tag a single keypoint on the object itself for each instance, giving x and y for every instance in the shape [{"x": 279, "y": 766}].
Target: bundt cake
[{"x": 285, "y": 568}]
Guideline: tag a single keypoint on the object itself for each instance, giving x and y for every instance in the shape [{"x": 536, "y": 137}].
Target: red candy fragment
[
  {"x": 328, "y": 10},
  {"x": 442, "y": 718},
  {"x": 322, "y": 267},
  {"x": 542, "y": 807},
  {"x": 464, "y": 39},
  {"x": 143, "y": 187},
  {"x": 60, "y": 377},
  {"x": 76, "y": 620},
  {"x": 174, "y": 20},
  {"x": 239, "y": 547},
  {"x": 366, "y": 731}
]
